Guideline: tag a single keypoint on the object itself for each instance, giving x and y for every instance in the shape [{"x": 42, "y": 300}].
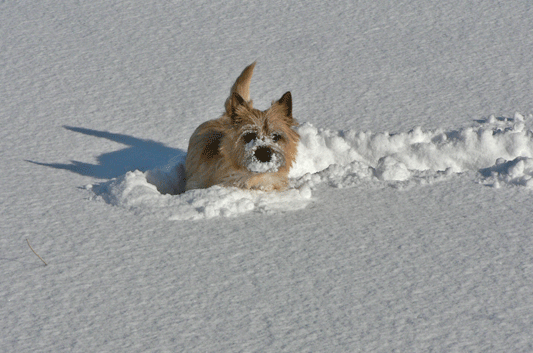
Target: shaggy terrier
[{"x": 245, "y": 147}]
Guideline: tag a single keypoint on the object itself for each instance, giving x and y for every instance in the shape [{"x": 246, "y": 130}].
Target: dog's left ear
[{"x": 284, "y": 104}]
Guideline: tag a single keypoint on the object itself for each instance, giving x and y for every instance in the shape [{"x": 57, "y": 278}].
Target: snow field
[
  {"x": 500, "y": 149},
  {"x": 405, "y": 243}
]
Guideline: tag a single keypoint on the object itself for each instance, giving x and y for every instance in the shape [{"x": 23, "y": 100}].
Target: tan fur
[{"x": 222, "y": 151}]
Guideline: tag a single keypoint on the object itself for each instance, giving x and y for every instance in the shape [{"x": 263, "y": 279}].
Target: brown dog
[{"x": 245, "y": 147}]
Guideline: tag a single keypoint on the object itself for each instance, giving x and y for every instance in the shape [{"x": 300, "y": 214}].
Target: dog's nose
[{"x": 263, "y": 154}]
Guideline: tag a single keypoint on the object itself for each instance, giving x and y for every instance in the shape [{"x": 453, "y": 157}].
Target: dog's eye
[
  {"x": 276, "y": 137},
  {"x": 250, "y": 136}
]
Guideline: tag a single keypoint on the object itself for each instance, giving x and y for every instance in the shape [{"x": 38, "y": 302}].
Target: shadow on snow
[{"x": 140, "y": 155}]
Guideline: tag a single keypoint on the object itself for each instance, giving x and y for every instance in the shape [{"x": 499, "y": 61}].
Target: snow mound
[
  {"x": 519, "y": 172},
  {"x": 345, "y": 158},
  {"x": 499, "y": 149},
  {"x": 152, "y": 193}
]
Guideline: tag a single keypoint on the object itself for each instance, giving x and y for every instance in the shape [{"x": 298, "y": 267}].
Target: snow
[
  {"x": 501, "y": 150},
  {"x": 257, "y": 166},
  {"x": 407, "y": 223}
]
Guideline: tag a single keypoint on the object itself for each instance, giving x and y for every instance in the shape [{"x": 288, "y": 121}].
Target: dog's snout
[{"x": 263, "y": 154}]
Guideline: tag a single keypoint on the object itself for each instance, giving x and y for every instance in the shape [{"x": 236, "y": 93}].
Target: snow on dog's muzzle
[{"x": 262, "y": 157}]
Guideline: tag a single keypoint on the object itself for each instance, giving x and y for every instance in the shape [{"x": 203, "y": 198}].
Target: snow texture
[
  {"x": 407, "y": 225},
  {"x": 501, "y": 150}
]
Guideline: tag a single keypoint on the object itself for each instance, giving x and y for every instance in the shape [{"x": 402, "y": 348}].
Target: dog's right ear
[
  {"x": 234, "y": 101},
  {"x": 232, "y": 104}
]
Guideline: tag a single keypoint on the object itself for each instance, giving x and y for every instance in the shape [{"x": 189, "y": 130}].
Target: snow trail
[{"x": 500, "y": 149}]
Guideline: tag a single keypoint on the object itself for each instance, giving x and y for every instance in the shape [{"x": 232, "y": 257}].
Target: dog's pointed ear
[
  {"x": 233, "y": 102},
  {"x": 284, "y": 107},
  {"x": 285, "y": 103}
]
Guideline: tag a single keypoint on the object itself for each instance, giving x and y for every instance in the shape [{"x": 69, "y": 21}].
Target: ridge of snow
[{"x": 500, "y": 149}]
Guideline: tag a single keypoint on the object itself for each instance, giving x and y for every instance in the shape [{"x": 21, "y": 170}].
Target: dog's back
[{"x": 203, "y": 155}]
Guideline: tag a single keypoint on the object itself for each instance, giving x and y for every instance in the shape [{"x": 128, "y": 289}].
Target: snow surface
[
  {"x": 407, "y": 224},
  {"x": 500, "y": 149}
]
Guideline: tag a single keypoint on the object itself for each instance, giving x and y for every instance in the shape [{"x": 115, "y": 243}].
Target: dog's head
[
  {"x": 245, "y": 147},
  {"x": 261, "y": 141}
]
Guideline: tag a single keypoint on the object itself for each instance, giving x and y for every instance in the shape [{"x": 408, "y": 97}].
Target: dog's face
[{"x": 261, "y": 141}]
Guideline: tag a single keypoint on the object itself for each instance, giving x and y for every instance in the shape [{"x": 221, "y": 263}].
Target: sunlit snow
[{"x": 407, "y": 223}]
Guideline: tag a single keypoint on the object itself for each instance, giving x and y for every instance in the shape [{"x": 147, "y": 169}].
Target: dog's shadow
[{"x": 140, "y": 155}]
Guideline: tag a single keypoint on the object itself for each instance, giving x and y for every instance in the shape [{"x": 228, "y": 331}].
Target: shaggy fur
[{"x": 245, "y": 147}]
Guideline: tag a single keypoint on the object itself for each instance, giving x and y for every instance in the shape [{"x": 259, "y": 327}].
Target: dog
[{"x": 244, "y": 148}]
